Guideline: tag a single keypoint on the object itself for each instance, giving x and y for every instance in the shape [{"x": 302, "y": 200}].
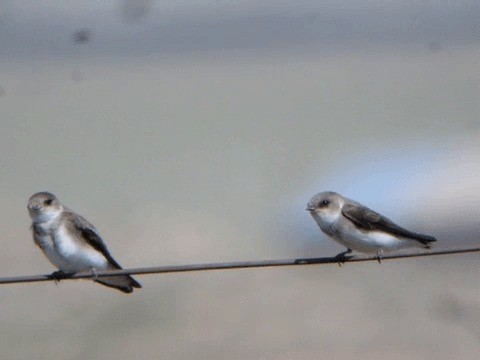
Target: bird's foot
[
  {"x": 59, "y": 275},
  {"x": 342, "y": 257},
  {"x": 379, "y": 256},
  {"x": 94, "y": 274}
]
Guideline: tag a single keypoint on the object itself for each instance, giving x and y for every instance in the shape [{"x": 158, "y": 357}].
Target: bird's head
[
  {"x": 326, "y": 206},
  {"x": 44, "y": 206}
]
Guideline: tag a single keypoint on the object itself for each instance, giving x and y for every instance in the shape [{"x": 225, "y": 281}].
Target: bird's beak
[
  {"x": 310, "y": 208},
  {"x": 34, "y": 206}
]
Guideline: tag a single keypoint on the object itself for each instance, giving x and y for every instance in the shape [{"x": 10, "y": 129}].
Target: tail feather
[
  {"x": 135, "y": 283},
  {"x": 424, "y": 239},
  {"x": 124, "y": 283}
]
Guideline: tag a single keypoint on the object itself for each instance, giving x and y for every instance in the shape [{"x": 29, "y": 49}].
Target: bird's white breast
[
  {"x": 373, "y": 241},
  {"x": 326, "y": 222},
  {"x": 77, "y": 255},
  {"x": 44, "y": 239}
]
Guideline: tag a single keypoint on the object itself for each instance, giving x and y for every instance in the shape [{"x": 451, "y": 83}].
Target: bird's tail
[
  {"x": 124, "y": 283},
  {"x": 425, "y": 240}
]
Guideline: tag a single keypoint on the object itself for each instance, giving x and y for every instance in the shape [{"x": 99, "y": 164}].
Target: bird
[
  {"x": 71, "y": 243},
  {"x": 359, "y": 228}
]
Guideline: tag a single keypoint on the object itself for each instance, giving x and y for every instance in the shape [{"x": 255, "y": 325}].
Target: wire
[{"x": 233, "y": 265}]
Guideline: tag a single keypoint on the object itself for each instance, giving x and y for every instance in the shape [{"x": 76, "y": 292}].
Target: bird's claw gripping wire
[
  {"x": 59, "y": 275},
  {"x": 342, "y": 257}
]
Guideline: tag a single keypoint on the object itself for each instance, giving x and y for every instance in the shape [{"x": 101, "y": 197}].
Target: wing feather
[
  {"x": 91, "y": 235},
  {"x": 93, "y": 238},
  {"x": 370, "y": 220}
]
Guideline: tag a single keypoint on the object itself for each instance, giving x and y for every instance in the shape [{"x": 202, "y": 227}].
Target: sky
[{"x": 139, "y": 28}]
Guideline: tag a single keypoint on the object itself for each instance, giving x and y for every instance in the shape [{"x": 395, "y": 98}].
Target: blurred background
[{"x": 196, "y": 131}]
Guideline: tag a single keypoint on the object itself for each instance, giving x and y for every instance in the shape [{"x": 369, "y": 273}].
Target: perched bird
[
  {"x": 359, "y": 228},
  {"x": 71, "y": 243}
]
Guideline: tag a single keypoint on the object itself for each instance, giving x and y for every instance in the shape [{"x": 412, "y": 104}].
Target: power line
[{"x": 233, "y": 265}]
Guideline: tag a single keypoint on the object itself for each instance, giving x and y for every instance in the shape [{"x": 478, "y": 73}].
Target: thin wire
[{"x": 233, "y": 265}]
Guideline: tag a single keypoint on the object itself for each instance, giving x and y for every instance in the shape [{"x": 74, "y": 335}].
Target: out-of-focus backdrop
[{"x": 196, "y": 131}]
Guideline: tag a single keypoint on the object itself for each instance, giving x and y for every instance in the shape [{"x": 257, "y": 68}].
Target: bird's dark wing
[
  {"x": 370, "y": 220},
  {"x": 86, "y": 231},
  {"x": 90, "y": 234}
]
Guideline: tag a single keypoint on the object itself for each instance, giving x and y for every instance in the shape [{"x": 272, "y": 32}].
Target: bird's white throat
[{"x": 45, "y": 216}]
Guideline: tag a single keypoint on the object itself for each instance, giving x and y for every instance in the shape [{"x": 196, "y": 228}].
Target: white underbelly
[
  {"x": 75, "y": 257},
  {"x": 46, "y": 244},
  {"x": 374, "y": 241}
]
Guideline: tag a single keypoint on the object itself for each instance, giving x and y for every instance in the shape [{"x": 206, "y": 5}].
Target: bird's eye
[
  {"x": 324, "y": 203},
  {"x": 48, "y": 202}
]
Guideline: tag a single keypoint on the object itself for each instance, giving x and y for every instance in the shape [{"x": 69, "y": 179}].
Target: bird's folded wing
[
  {"x": 87, "y": 231},
  {"x": 367, "y": 219}
]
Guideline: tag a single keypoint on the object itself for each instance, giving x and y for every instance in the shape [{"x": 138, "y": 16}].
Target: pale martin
[
  {"x": 71, "y": 243},
  {"x": 359, "y": 228}
]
